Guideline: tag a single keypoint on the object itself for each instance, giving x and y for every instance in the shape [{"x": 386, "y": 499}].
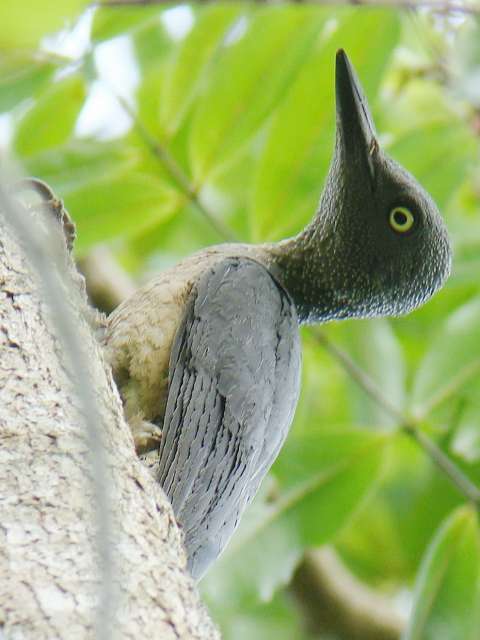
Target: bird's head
[{"x": 387, "y": 246}]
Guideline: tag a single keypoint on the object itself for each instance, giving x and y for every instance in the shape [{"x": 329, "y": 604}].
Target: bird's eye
[{"x": 401, "y": 219}]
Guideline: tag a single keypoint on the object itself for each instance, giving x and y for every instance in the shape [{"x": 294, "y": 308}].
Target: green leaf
[
  {"x": 152, "y": 46},
  {"x": 24, "y": 23},
  {"x": 73, "y": 167},
  {"x": 172, "y": 239},
  {"x": 447, "y": 151},
  {"x": 300, "y": 141},
  {"x": 111, "y": 189},
  {"x": 377, "y": 350},
  {"x": 466, "y": 440},
  {"x": 112, "y": 208},
  {"x": 322, "y": 479},
  {"x": 447, "y": 593},
  {"x": 239, "y": 96},
  {"x": 153, "y": 50},
  {"x": 279, "y": 619},
  {"x": 452, "y": 360},
  {"x": 385, "y": 541},
  {"x": 21, "y": 76},
  {"x": 149, "y": 99},
  {"x": 51, "y": 120},
  {"x": 190, "y": 61}
]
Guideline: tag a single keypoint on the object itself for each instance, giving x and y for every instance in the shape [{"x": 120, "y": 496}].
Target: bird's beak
[{"x": 355, "y": 127}]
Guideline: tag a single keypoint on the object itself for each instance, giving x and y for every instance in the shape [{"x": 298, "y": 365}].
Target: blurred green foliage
[{"x": 233, "y": 108}]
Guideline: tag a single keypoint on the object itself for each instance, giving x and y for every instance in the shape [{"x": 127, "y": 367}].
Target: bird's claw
[{"x": 147, "y": 437}]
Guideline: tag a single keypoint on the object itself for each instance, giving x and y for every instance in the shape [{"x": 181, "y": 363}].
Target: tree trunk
[{"x": 51, "y": 562}]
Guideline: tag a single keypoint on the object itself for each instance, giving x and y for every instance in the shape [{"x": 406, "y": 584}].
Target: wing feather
[{"x": 233, "y": 388}]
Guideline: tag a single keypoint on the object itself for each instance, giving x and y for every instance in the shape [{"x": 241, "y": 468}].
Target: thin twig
[
  {"x": 176, "y": 173},
  {"x": 412, "y": 5},
  {"x": 361, "y": 378},
  {"x": 466, "y": 486},
  {"x": 407, "y": 424}
]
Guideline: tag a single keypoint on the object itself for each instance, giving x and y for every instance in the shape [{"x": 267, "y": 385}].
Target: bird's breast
[{"x": 140, "y": 334}]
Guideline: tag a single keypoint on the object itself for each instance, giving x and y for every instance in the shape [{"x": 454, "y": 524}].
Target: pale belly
[{"x": 140, "y": 334}]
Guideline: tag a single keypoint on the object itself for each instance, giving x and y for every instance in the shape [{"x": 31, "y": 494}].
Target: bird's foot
[{"x": 146, "y": 435}]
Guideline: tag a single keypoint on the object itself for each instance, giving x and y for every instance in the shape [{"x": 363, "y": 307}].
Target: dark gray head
[{"x": 377, "y": 245}]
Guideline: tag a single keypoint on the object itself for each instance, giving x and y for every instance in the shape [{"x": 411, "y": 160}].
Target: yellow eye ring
[{"x": 401, "y": 219}]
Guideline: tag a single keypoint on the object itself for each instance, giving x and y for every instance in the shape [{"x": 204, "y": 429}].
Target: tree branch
[
  {"x": 50, "y": 565},
  {"x": 107, "y": 283},
  {"x": 445, "y": 6},
  {"x": 332, "y": 599},
  {"x": 41, "y": 244}
]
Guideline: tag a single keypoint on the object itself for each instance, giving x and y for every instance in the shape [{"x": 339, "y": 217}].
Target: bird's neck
[{"x": 301, "y": 264}]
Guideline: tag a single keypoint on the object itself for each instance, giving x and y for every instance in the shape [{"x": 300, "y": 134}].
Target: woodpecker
[{"x": 207, "y": 355}]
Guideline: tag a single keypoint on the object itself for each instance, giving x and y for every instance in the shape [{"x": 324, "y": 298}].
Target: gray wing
[{"x": 233, "y": 387}]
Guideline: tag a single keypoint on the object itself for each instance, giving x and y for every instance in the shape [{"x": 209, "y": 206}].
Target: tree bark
[{"x": 50, "y": 561}]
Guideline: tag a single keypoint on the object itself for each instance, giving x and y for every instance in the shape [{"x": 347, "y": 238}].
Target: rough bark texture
[{"x": 49, "y": 575}]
